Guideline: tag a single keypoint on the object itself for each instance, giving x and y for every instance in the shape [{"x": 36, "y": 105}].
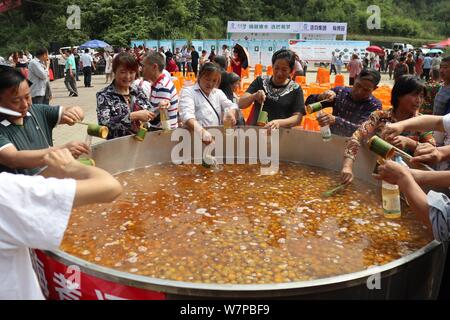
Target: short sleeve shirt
[
  {"x": 34, "y": 213},
  {"x": 281, "y": 101},
  {"x": 34, "y": 134}
]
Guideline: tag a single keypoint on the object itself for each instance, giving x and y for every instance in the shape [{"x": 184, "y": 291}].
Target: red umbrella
[{"x": 375, "y": 49}]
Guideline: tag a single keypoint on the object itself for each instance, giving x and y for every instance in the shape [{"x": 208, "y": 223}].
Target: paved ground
[{"x": 87, "y": 100}]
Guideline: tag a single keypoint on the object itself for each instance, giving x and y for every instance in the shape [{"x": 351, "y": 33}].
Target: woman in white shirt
[
  {"x": 108, "y": 66},
  {"x": 203, "y": 105}
]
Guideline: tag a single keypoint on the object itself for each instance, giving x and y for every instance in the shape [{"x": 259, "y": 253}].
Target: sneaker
[
  {"x": 74, "y": 95},
  {"x": 70, "y": 94}
]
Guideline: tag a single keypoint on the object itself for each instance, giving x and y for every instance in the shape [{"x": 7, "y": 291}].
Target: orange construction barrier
[
  {"x": 301, "y": 80},
  {"x": 310, "y": 124},
  {"x": 258, "y": 70},
  {"x": 339, "y": 80},
  {"x": 245, "y": 73},
  {"x": 246, "y": 112},
  {"x": 269, "y": 71},
  {"x": 319, "y": 75},
  {"x": 177, "y": 84}
]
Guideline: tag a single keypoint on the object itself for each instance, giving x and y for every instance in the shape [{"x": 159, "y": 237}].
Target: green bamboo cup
[
  {"x": 87, "y": 161},
  {"x": 140, "y": 135},
  {"x": 96, "y": 130},
  {"x": 380, "y": 147},
  {"x": 313, "y": 107},
  {"x": 263, "y": 118}
]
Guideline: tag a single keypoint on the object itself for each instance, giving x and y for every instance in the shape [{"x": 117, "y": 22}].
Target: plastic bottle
[
  {"x": 391, "y": 196},
  {"x": 325, "y": 130},
  {"x": 227, "y": 120},
  {"x": 164, "y": 117}
]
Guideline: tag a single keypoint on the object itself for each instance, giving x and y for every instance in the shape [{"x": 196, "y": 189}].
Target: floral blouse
[
  {"x": 374, "y": 125},
  {"x": 428, "y": 103},
  {"x": 113, "y": 110}
]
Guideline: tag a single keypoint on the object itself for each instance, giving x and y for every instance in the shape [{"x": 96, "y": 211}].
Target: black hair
[
  {"x": 208, "y": 68},
  {"x": 234, "y": 78},
  {"x": 406, "y": 84},
  {"x": 126, "y": 60},
  {"x": 10, "y": 78},
  {"x": 371, "y": 75},
  {"x": 40, "y": 52},
  {"x": 221, "y": 61},
  {"x": 86, "y": 50},
  {"x": 285, "y": 54}
]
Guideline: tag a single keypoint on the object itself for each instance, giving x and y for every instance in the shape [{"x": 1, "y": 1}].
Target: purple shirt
[{"x": 348, "y": 113}]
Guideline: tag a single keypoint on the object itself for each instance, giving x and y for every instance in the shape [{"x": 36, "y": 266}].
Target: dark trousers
[
  {"x": 352, "y": 81},
  {"x": 181, "y": 67},
  {"x": 426, "y": 74},
  {"x": 333, "y": 68},
  {"x": 195, "y": 69},
  {"x": 87, "y": 72},
  {"x": 70, "y": 83}
]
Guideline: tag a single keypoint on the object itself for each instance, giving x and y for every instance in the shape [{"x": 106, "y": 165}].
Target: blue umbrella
[{"x": 93, "y": 44}]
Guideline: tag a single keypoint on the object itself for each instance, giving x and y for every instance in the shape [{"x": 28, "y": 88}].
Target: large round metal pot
[{"x": 416, "y": 276}]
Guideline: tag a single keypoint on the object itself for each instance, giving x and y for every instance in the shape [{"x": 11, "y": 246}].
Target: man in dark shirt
[
  {"x": 195, "y": 56},
  {"x": 351, "y": 106}
]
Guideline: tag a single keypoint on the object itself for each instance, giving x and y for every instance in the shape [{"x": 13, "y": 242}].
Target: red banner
[
  {"x": 9, "y": 4},
  {"x": 61, "y": 282}
]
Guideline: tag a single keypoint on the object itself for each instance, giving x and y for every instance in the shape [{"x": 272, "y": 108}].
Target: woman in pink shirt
[{"x": 354, "y": 67}]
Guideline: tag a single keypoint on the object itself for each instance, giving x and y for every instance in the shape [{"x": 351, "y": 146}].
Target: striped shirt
[{"x": 164, "y": 89}]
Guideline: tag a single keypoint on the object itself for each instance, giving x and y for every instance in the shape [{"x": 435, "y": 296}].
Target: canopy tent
[
  {"x": 94, "y": 44},
  {"x": 440, "y": 44}
]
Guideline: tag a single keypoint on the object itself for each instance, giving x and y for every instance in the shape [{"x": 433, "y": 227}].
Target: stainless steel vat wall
[{"x": 415, "y": 276}]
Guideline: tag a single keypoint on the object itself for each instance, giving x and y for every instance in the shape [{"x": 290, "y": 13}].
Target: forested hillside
[{"x": 39, "y": 22}]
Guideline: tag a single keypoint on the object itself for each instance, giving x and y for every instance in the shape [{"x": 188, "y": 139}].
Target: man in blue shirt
[
  {"x": 426, "y": 67},
  {"x": 351, "y": 106}
]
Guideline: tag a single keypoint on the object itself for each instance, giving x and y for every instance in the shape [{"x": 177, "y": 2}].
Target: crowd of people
[{"x": 141, "y": 87}]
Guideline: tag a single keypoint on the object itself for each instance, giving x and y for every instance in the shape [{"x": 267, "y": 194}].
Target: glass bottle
[{"x": 164, "y": 117}]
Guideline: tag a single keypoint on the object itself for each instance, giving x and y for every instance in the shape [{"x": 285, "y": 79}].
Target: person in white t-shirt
[
  {"x": 34, "y": 213},
  {"x": 88, "y": 65}
]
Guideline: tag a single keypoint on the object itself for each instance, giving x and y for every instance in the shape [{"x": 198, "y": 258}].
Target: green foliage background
[{"x": 38, "y": 22}]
